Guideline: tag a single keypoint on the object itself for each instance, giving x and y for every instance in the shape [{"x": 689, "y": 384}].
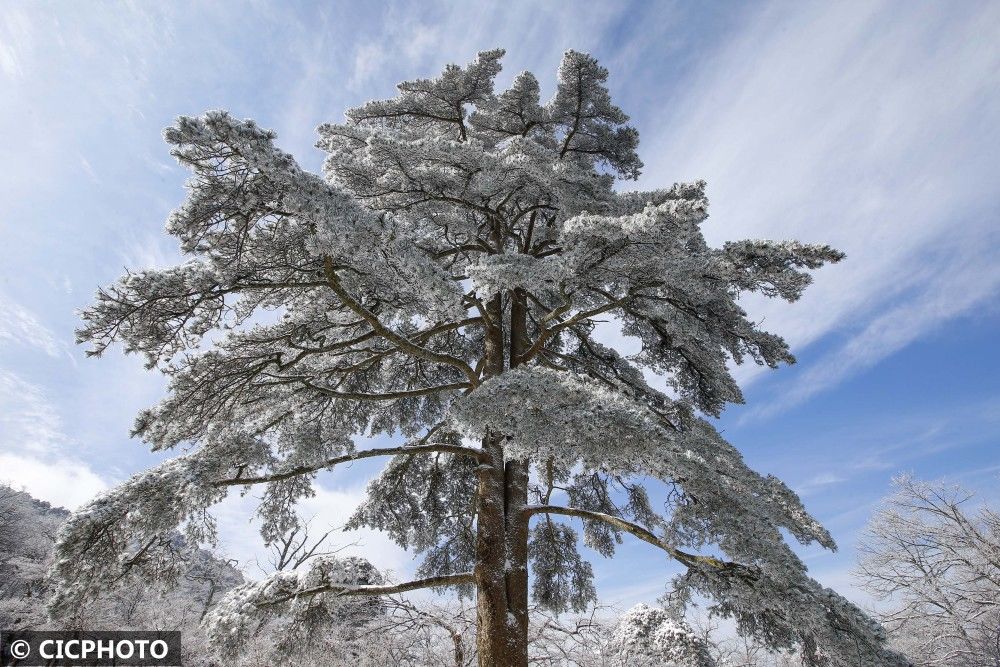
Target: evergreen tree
[{"x": 442, "y": 280}]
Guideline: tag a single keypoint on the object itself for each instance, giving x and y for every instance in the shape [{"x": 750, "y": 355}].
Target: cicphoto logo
[{"x": 79, "y": 648}]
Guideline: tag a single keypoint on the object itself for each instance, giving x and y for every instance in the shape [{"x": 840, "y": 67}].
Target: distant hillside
[{"x": 28, "y": 529}]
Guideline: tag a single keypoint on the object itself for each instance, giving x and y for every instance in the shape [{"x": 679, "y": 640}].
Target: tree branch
[
  {"x": 458, "y": 450},
  {"x": 386, "y": 396},
  {"x": 401, "y": 342},
  {"x": 347, "y": 589},
  {"x": 688, "y": 559},
  {"x": 545, "y": 333}
]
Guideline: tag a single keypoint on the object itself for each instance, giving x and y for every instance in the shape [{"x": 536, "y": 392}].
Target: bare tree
[
  {"x": 295, "y": 547},
  {"x": 935, "y": 560},
  {"x": 443, "y": 633},
  {"x": 429, "y": 633}
]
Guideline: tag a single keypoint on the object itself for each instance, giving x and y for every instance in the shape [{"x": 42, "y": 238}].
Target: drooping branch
[
  {"x": 355, "y": 456},
  {"x": 688, "y": 559},
  {"x": 375, "y": 590}
]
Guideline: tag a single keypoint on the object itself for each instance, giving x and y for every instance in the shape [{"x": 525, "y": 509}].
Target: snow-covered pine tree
[{"x": 442, "y": 280}]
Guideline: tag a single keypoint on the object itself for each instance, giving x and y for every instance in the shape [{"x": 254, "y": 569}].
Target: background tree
[
  {"x": 27, "y": 532},
  {"x": 442, "y": 281},
  {"x": 28, "y": 529},
  {"x": 650, "y": 637},
  {"x": 936, "y": 563}
]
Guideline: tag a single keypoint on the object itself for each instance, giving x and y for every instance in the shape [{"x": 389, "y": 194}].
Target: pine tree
[{"x": 441, "y": 282}]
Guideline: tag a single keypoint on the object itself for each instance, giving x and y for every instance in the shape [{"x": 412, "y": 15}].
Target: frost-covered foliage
[
  {"x": 776, "y": 604},
  {"x": 935, "y": 563},
  {"x": 413, "y": 500},
  {"x": 296, "y": 627},
  {"x": 562, "y": 579},
  {"x": 442, "y": 280},
  {"x": 27, "y": 532},
  {"x": 28, "y": 529},
  {"x": 646, "y": 636}
]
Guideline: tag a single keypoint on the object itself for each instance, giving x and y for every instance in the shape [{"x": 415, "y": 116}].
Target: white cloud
[
  {"x": 8, "y": 62},
  {"x": 33, "y": 448},
  {"x": 955, "y": 292},
  {"x": 15, "y": 32},
  {"x": 818, "y": 482},
  {"x": 368, "y": 59},
  {"x": 61, "y": 482}
]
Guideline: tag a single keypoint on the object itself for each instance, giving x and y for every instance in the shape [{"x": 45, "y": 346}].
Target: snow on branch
[
  {"x": 354, "y": 456},
  {"x": 132, "y": 527},
  {"x": 348, "y": 590},
  {"x": 545, "y": 413},
  {"x": 771, "y": 598},
  {"x": 688, "y": 559}
]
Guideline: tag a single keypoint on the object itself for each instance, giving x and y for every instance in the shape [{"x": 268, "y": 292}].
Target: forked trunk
[{"x": 502, "y": 530}]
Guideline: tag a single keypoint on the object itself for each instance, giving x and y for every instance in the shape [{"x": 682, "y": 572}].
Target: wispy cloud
[
  {"x": 956, "y": 290},
  {"x": 911, "y": 437},
  {"x": 19, "y": 326},
  {"x": 869, "y": 126},
  {"x": 817, "y": 482},
  {"x": 29, "y": 422}
]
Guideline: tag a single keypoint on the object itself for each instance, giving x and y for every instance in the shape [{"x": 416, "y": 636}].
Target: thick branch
[
  {"x": 690, "y": 560},
  {"x": 347, "y": 458},
  {"x": 396, "y": 339},
  {"x": 347, "y": 589},
  {"x": 545, "y": 333}
]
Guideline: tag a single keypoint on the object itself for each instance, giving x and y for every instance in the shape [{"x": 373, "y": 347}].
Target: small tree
[
  {"x": 937, "y": 565},
  {"x": 442, "y": 280},
  {"x": 648, "y": 637}
]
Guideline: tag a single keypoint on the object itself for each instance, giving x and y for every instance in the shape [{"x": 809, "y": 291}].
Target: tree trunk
[
  {"x": 516, "y": 492},
  {"x": 501, "y": 530}
]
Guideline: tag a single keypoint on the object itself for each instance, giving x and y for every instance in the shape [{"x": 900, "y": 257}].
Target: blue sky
[{"x": 871, "y": 126}]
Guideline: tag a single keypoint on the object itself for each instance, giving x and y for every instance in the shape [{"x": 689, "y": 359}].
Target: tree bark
[
  {"x": 502, "y": 526},
  {"x": 516, "y": 497},
  {"x": 492, "y": 631}
]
